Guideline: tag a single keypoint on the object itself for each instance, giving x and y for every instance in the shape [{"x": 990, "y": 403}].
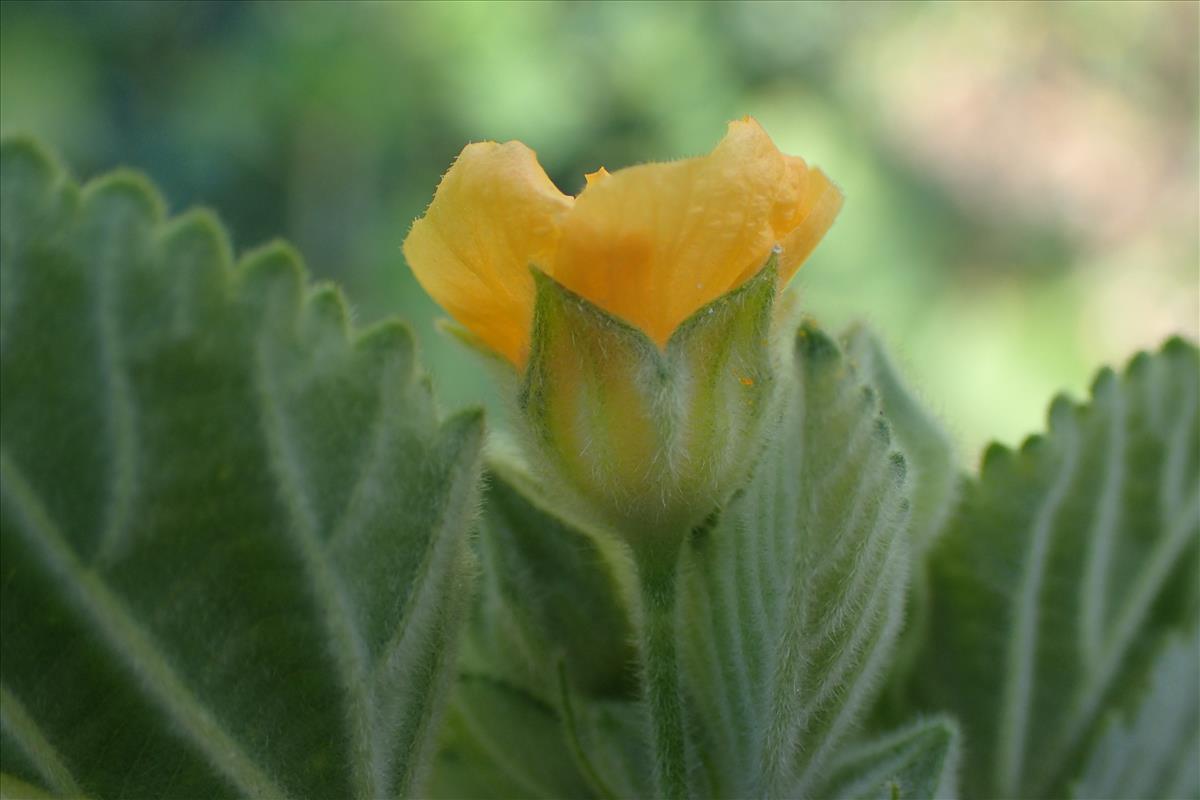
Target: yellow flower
[{"x": 649, "y": 244}]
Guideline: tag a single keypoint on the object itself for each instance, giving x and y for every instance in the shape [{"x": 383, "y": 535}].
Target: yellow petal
[
  {"x": 653, "y": 243},
  {"x": 599, "y": 175},
  {"x": 494, "y": 213},
  {"x": 801, "y": 220},
  {"x": 817, "y": 209}
]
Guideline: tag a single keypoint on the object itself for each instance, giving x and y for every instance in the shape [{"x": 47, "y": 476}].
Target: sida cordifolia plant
[{"x": 718, "y": 551}]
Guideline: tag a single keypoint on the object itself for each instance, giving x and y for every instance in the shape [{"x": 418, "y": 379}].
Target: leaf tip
[
  {"x": 24, "y": 161},
  {"x": 197, "y": 235},
  {"x": 389, "y": 340},
  {"x": 1061, "y": 414},
  {"x": 270, "y": 269},
  {"x": 1032, "y": 444},
  {"x": 465, "y": 429},
  {"x": 995, "y": 456},
  {"x": 124, "y": 192},
  {"x": 326, "y": 312},
  {"x": 814, "y": 344},
  {"x": 1105, "y": 383},
  {"x": 1139, "y": 364},
  {"x": 1177, "y": 346}
]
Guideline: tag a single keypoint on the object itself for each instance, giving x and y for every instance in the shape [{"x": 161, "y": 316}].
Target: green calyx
[
  {"x": 652, "y": 442},
  {"x": 646, "y": 437}
]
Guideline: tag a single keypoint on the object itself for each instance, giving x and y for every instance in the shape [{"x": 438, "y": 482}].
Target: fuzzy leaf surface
[
  {"x": 502, "y": 741},
  {"x": 928, "y": 450},
  {"x": 919, "y": 761},
  {"x": 1062, "y": 571},
  {"x": 551, "y": 590},
  {"x": 1151, "y": 750},
  {"x": 936, "y": 479},
  {"x": 233, "y": 531},
  {"x": 550, "y": 599},
  {"x": 792, "y": 600}
]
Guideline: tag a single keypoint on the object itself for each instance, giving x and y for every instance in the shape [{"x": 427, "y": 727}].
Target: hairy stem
[{"x": 660, "y": 675}]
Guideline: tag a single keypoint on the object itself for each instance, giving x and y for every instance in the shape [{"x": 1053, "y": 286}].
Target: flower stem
[{"x": 660, "y": 675}]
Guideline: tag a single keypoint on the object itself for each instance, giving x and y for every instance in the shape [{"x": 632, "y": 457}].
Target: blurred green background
[{"x": 1021, "y": 179}]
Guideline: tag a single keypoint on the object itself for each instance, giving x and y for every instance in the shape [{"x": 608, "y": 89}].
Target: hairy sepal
[{"x": 649, "y": 440}]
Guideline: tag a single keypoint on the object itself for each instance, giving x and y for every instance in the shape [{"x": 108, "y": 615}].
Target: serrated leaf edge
[{"x": 1179, "y": 434}]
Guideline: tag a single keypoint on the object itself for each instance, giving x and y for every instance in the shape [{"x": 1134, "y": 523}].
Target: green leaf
[
  {"x": 15, "y": 789},
  {"x": 936, "y": 480},
  {"x": 233, "y": 532},
  {"x": 792, "y": 600},
  {"x": 610, "y": 739},
  {"x": 501, "y": 741},
  {"x": 1061, "y": 571},
  {"x": 1151, "y": 752},
  {"x": 551, "y": 593},
  {"x": 919, "y": 761},
  {"x": 551, "y": 590},
  {"x": 932, "y": 466}
]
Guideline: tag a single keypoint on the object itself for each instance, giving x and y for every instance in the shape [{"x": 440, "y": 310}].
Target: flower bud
[{"x": 649, "y": 437}]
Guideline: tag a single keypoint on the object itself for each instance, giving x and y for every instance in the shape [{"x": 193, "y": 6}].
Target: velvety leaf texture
[
  {"x": 1151, "y": 750},
  {"x": 550, "y": 601},
  {"x": 932, "y": 467},
  {"x": 551, "y": 591},
  {"x": 234, "y": 551},
  {"x": 1062, "y": 572},
  {"x": 919, "y": 761},
  {"x": 792, "y": 601},
  {"x": 501, "y": 741},
  {"x": 935, "y": 477}
]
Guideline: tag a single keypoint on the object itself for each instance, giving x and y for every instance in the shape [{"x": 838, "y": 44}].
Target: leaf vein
[
  {"x": 127, "y": 641},
  {"x": 121, "y": 414},
  {"x": 894, "y": 571},
  {"x": 1141, "y": 597},
  {"x": 1019, "y": 673},
  {"x": 346, "y": 645},
  {"x": 1102, "y": 536},
  {"x": 420, "y": 616},
  {"x": 16, "y": 720}
]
